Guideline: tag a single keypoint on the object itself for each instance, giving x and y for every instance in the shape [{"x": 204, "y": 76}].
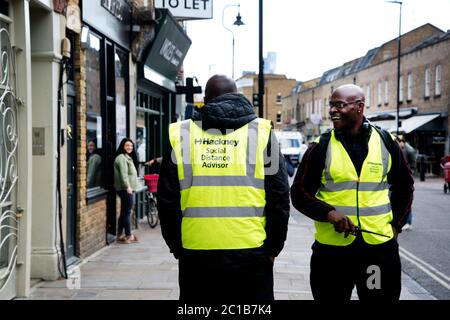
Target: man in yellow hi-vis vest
[
  {"x": 223, "y": 199},
  {"x": 355, "y": 184}
]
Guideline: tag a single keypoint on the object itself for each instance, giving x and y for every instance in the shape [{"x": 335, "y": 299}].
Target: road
[{"x": 425, "y": 249}]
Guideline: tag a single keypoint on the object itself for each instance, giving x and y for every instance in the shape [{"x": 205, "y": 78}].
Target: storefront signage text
[
  {"x": 114, "y": 7},
  {"x": 171, "y": 53},
  {"x": 188, "y": 9}
]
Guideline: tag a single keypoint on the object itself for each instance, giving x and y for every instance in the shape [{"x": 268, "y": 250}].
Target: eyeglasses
[{"x": 341, "y": 105}]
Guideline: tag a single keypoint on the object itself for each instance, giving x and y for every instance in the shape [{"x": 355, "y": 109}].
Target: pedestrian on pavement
[
  {"x": 223, "y": 201},
  {"x": 343, "y": 183},
  {"x": 126, "y": 183},
  {"x": 409, "y": 154}
]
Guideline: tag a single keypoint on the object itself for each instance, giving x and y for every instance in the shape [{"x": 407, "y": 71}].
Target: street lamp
[
  {"x": 238, "y": 23},
  {"x": 398, "y": 63},
  {"x": 261, "y": 64}
]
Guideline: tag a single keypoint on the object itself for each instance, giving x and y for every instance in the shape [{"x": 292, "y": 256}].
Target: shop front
[
  {"x": 102, "y": 88},
  {"x": 157, "y": 77}
]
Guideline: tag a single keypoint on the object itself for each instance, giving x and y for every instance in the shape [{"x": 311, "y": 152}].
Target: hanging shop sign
[{"x": 168, "y": 50}]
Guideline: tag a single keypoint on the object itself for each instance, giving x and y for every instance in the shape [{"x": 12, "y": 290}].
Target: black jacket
[
  {"x": 308, "y": 178},
  {"x": 229, "y": 111}
]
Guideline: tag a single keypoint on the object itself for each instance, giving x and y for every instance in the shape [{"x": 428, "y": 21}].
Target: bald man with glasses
[{"x": 354, "y": 183}]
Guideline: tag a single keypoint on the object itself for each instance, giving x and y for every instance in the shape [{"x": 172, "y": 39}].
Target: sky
[{"x": 309, "y": 37}]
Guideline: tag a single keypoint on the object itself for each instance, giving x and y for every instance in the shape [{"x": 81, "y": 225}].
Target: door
[
  {"x": 8, "y": 168},
  {"x": 71, "y": 175},
  {"x": 71, "y": 161}
]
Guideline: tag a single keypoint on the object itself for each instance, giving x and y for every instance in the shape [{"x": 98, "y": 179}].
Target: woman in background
[{"x": 125, "y": 183}]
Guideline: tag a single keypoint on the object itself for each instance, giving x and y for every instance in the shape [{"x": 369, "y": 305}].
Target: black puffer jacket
[{"x": 229, "y": 111}]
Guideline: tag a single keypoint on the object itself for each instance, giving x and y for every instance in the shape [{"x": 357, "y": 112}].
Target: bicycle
[{"x": 151, "y": 210}]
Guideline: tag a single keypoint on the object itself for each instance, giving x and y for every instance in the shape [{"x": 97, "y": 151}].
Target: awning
[
  {"x": 391, "y": 114},
  {"x": 386, "y": 124},
  {"x": 408, "y": 125},
  {"x": 415, "y": 122}
]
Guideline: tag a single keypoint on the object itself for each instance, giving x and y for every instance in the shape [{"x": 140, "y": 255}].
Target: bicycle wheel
[{"x": 152, "y": 213}]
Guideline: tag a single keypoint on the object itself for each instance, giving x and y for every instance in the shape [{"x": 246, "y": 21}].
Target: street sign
[{"x": 187, "y": 9}]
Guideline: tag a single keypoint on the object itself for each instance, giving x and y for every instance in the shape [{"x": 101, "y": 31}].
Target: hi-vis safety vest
[
  {"x": 222, "y": 184},
  {"x": 365, "y": 200}
]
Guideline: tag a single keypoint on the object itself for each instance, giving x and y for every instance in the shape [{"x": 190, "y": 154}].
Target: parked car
[{"x": 292, "y": 145}]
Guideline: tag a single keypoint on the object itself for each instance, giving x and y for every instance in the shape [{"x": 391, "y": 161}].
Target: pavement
[{"x": 147, "y": 271}]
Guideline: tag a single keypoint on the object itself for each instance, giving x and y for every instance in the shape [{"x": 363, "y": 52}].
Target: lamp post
[
  {"x": 397, "y": 118},
  {"x": 238, "y": 23},
  {"x": 261, "y": 64}
]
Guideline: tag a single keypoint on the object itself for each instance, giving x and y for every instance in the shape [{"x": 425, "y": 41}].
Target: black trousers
[
  {"x": 374, "y": 269},
  {"x": 126, "y": 205},
  {"x": 221, "y": 277}
]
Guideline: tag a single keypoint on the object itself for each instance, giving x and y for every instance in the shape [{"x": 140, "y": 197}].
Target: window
[
  {"x": 368, "y": 96},
  {"x": 409, "y": 84},
  {"x": 279, "y": 117},
  {"x": 94, "y": 116},
  {"x": 279, "y": 98},
  {"x": 379, "y": 94},
  {"x": 400, "y": 90},
  {"x": 150, "y": 122},
  {"x": 437, "y": 84},
  {"x": 107, "y": 87},
  {"x": 386, "y": 91},
  {"x": 320, "y": 111},
  {"x": 427, "y": 82},
  {"x": 121, "y": 71}
]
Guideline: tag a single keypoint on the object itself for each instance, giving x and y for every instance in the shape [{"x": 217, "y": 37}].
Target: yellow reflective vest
[
  {"x": 364, "y": 199},
  {"x": 222, "y": 184}
]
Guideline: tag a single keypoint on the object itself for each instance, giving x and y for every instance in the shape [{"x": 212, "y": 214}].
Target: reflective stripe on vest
[
  {"x": 364, "y": 199},
  {"x": 222, "y": 184}
]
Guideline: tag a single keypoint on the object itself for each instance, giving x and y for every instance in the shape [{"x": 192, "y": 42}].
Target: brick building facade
[
  {"x": 276, "y": 88},
  {"x": 424, "y": 90}
]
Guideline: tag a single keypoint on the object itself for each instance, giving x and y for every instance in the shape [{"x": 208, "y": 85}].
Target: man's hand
[
  {"x": 395, "y": 231},
  {"x": 341, "y": 222}
]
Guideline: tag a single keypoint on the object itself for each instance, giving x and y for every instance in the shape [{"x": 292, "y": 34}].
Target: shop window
[
  {"x": 107, "y": 87},
  {"x": 121, "y": 72},
  {"x": 94, "y": 117},
  {"x": 149, "y": 126}
]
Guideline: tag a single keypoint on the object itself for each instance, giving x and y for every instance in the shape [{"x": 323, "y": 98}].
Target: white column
[
  {"x": 21, "y": 44},
  {"x": 46, "y": 34}
]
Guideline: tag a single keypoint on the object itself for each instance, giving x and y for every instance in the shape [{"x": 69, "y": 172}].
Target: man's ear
[{"x": 361, "y": 107}]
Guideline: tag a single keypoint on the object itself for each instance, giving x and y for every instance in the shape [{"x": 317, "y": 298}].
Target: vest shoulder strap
[
  {"x": 323, "y": 144},
  {"x": 387, "y": 139}
]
